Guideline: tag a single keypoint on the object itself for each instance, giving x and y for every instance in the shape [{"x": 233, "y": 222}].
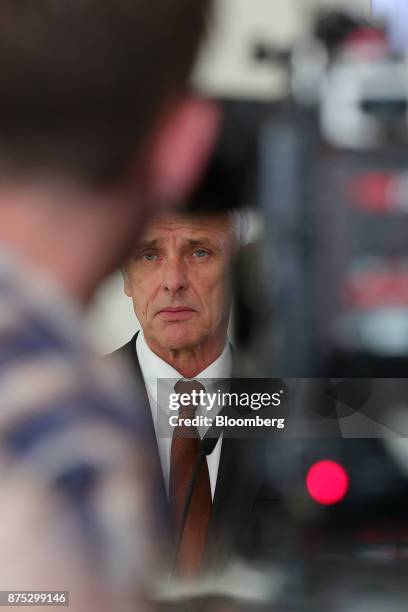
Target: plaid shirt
[{"x": 73, "y": 461}]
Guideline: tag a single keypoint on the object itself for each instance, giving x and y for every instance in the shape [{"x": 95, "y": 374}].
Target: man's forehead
[{"x": 165, "y": 226}]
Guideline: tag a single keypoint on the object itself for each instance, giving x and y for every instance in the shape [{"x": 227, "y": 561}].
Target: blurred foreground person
[{"x": 97, "y": 132}]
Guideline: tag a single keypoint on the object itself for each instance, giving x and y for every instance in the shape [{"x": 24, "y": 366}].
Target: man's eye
[
  {"x": 200, "y": 253},
  {"x": 149, "y": 256}
]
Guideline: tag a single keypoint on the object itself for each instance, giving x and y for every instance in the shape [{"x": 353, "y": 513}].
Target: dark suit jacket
[{"x": 243, "y": 504}]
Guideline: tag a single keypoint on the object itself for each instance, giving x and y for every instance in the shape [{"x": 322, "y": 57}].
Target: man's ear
[{"x": 183, "y": 142}]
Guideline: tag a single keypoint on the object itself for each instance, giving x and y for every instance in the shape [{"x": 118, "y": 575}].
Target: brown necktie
[{"x": 185, "y": 449}]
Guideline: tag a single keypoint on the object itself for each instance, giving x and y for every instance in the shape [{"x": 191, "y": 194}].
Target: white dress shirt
[{"x": 153, "y": 368}]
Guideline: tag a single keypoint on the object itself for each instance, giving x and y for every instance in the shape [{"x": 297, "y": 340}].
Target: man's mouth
[{"x": 178, "y": 313}]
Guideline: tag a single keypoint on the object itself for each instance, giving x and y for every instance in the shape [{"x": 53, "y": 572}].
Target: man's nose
[{"x": 174, "y": 276}]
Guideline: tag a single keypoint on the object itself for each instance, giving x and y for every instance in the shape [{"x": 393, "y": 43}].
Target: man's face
[{"x": 178, "y": 280}]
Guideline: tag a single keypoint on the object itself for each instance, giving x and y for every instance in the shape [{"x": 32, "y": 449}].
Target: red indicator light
[{"x": 327, "y": 482}]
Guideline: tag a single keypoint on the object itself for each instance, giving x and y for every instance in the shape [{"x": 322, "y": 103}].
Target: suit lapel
[
  {"x": 239, "y": 480},
  {"x": 129, "y": 354},
  {"x": 240, "y": 477}
]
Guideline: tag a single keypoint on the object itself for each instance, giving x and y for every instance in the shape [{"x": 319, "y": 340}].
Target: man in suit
[{"x": 178, "y": 279}]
